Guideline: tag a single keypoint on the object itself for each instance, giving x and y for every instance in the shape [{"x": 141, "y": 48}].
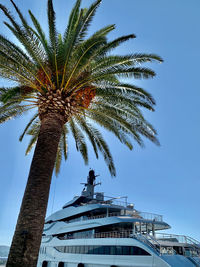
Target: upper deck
[{"x": 95, "y": 205}]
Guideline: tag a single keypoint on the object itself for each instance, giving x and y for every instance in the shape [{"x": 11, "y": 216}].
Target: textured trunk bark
[{"x": 27, "y": 237}]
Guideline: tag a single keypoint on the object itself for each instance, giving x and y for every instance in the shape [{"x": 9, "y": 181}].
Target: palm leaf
[{"x": 80, "y": 141}]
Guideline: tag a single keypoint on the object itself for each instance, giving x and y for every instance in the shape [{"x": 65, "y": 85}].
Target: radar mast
[{"x": 88, "y": 191}]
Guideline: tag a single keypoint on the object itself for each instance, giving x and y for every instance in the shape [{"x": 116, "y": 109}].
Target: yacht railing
[
  {"x": 114, "y": 234},
  {"x": 134, "y": 214},
  {"x": 150, "y": 240},
  {"x": 111, "y": 214},
  {"x": 144, "y": 215},
  {"x": 151, "y": 216},
  {"x": 153, "y": 242},
  {"x": 115, "y": 201},
  {"x": 177, "y": 238},
  {"x": 147, "y": 239}
]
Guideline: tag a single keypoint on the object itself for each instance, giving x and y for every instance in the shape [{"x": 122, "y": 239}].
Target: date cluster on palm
[{"x": 59, "y": 101}]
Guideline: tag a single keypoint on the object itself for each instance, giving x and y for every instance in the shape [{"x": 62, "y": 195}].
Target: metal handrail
[
  {"x": 135, "y": 214},
  {"x": 148, "y": 240},
  {"x": 179, "y": 238},
  {"x": 112, "y": 214},
  {"x": 114, "y": 234}
]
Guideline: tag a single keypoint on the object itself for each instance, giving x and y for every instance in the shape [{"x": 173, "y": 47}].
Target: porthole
[{"x": 44, "y": 264}]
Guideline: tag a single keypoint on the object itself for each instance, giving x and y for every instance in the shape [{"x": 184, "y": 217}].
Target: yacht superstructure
[{"x": 97, "y": 231}]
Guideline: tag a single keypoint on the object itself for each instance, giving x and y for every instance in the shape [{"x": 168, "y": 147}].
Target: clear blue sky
[{"x": 163, "y": 180}]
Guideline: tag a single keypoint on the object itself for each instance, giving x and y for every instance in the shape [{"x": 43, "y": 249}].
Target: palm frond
[
  {"x": 115, "y": 43},
  {"x": 104, "y": 149},
  {"x": 32, "y": 142},
  {"x": 72, "y": 21},
  {"x": 64, "y": 142},
  {"x": 86, "y": 127},
  {"x": 80, "y": 141},
  {"x": 9, "y": 93},
  {"x": 87, "y": 18},
  {"x": 52, "y": 25},
  {"x": 58, "y": 159},
  {"x": 40, "y": 33},
  {"x": 13, "y": 111},
  {"x": 23, "y": 20},
  {"x": 27, "y": 126}
]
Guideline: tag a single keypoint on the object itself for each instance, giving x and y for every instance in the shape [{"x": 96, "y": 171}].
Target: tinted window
[
  {"x": 82, "y": 250},
  {"x": 103, "y": 250},
  {"x": 140, "y": 252},
  {"x": 112, "y": 250},
  {"x": 118, "y": 250},
  {"x": 126, "y": 250},
  {"x": 93, "y": 250},
  {"x": 107, "y": 250}
]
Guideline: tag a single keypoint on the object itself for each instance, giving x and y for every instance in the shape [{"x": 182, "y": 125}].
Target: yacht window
[
  {"x": 101, "y": 250},
  {"x": 82, "y": 250},
  {"x": 73, "y": 249},
  {"x": 90, "y": 250},
  {"x": 45, "y": 264},
  {"x": 112, "y": 250},
  {"x": 126, "y": 250},
  {"x": 107, "y": 250},
  {"x": 61, "y": 264},
  {"x": 62, "y": 249},
  {"x": 139, "y": 251},
  {"x": 104, "y": 250},
  {"x": 85, "y": 251},
  {"x": 118, "y": 250},
  {"x": 78, "y": 249},
  {"x": 70, "y": 249},
  {"x": 80, "y": 265}
]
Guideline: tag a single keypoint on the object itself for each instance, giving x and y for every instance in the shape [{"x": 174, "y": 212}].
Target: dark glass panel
[
  {"x": 82, "y": 249},
  {"x": 140, "y": 252},
  {"x": 78, "y": 248},
  {"x": 126, "y": 250},
  {"x": 96, "y": 250},
  {"x": 44, "y": 264},
  {"x": 86, "y": 250},
  {"x": 118, "y": 250},
  {"x": 73, "y": 249},
  {"x": 70, "y": 249},
  {"x": 112, "y": 250},
  {"x": 107, "y": 250}
]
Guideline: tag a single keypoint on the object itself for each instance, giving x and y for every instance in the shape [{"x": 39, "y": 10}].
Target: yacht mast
[{"x": 88, "y": 191}]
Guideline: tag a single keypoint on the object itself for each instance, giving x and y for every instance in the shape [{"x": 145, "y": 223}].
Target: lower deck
[{"x": 107, "y": 252}]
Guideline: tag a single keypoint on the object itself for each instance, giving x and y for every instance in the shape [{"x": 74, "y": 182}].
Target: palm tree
[{"x": 71, "y": 81}]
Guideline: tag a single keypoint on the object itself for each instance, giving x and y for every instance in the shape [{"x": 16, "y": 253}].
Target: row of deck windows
[{"x": 103, "y": 250}]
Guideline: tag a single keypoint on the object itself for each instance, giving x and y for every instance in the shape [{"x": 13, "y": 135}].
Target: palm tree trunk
[{"x": 28, "y": 233}]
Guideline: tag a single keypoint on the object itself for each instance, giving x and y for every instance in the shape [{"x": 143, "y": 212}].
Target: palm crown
[{"x": 76, "y": 78}]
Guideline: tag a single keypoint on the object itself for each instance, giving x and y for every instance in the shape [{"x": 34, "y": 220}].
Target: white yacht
[{"x": 97, "y": 231}]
